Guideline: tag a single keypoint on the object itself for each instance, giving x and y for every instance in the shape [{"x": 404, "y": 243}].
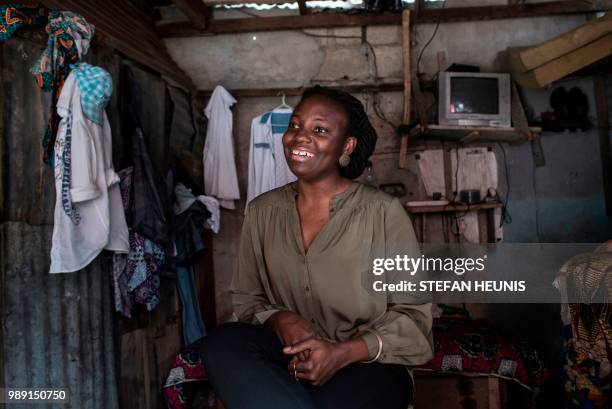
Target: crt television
[{"x": 474, "y": 99}]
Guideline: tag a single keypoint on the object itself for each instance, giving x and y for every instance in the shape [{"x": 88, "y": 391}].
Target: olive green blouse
[{"x": 328, "y": 285}]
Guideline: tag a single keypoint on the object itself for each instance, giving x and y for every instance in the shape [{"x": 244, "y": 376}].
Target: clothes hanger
[{"x": 283, "y": 102}]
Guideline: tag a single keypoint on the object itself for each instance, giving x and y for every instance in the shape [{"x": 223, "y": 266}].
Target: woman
[{"x": 311, "y": 335}]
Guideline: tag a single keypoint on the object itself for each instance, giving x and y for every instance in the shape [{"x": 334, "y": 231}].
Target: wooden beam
[
  {"x": 245, "y": 25},
  {"x": 329, "y": 20},
  {"x": 565, "y": 65},
  {"x": 195, "y": 10},
  {"x": 119, "y": 23},
  {"x": 453, "y": 14},
  {"x": 302, "y": 7},
  {"x": 273, "y": 92},
  {"x": 407, "y": 86},
  {"x": 525, "y": 59}
]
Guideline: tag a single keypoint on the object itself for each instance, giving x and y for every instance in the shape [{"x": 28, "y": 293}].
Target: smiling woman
[{"x": 310, "y": 336}]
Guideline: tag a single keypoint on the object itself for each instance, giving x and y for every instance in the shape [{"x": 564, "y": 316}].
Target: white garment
[
  {"x": 214, "y": 221},
  {"x": 283, "y": 174},
  {"x": 94, "y": 190},
  {"x": 261, "y": 160},
  {"x": 220, "y": 178},
  {"x": 268, "y": 167}
]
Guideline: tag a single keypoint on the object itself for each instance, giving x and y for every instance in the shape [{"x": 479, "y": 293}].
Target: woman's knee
[
  {"x": 222, "y": 339},
  {"x": 232, "y": 340}
]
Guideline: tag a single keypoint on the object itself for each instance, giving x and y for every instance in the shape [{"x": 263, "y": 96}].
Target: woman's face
[{"x": 316, "y": 138}]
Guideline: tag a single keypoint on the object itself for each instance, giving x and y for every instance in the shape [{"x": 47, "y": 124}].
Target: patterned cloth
[
  {"x": 587, "y": 382},
  {"x": 53, "y": 66},
  {"x": 144, "y": 262},
  {"x": 136, "y": 276},
  {"x": 463, "y": 345},
  {"x": 96, "y": 86},
  {"x": 588, "y": 337},
  {"x": 185, "y": 377},
  {"x": 589, "y": 280},
  {"x": 70, "y": 211},
  {"x": 13, "y": 16}
]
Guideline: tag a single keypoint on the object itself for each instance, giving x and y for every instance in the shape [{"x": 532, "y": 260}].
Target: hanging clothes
[
  {"x": 150, "y": 211},
  {"x": 190, "y": 216},
  {"x": 220, "y": 177},
  {"x": 96, "y": 87},
  {"x": 68, "y": 43},
  {"x": 268, "y": 167},
  {"x": 88, "y": 211}
]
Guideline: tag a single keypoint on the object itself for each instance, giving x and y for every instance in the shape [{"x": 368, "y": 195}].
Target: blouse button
[{"x": 307, "y": 288}]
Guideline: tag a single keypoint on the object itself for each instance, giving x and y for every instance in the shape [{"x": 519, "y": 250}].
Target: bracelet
[{"x": 380, "y": 347}]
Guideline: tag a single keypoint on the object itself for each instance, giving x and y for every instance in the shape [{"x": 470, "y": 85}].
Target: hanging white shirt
[
  {"x": 220, "y": 177},
  {"x": 268, "y": 167},
  {"x": 262, "y": 171},
  {"x": 94, "y": 189}
]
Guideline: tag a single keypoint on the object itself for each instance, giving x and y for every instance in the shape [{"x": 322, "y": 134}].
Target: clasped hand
[{"x": 314, "y": 359}]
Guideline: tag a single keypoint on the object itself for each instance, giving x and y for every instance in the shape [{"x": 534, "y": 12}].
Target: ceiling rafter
[
  {"x": 195, "y": 10},
  {"x": 427, "y": 15}
]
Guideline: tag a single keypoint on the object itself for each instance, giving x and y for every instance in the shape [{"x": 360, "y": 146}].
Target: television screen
[{"x": 474, "y": 95}]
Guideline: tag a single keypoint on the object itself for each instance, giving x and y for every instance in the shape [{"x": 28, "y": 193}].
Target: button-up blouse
[{"x": 328, "y": 284}]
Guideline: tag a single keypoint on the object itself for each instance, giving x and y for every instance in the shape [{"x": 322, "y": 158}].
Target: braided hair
[{"x": 359, "y": 126}]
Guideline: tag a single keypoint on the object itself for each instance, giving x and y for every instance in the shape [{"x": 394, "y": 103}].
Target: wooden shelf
[
  {"x": 449, "y": 208},
  {"x": 469, "y": 134}
]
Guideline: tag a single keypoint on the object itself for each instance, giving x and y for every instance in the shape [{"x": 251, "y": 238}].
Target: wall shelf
[
  {"x": 456, "y": 207},
  {"x": 469, "y": 134},
  {"x": 485, "y": 213}
]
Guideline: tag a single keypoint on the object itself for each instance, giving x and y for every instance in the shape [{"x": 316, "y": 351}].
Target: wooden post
[
  {"x": 407, "y": 84},
  {"x": 302, "y": 7},
  {"x": 603, "y": 124}
]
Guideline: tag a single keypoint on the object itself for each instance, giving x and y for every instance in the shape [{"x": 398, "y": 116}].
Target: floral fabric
[
  {"x": 14, "y": 16},
  {"x": 463, "y": 345}
]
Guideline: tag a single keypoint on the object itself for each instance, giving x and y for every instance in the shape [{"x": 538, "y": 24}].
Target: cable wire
[
  {"x": 505, "y": 215},
  {"x": 427, "y": 44}
]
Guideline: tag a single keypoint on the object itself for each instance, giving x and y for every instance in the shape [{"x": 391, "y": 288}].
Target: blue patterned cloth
[
  {"x": 96, "y": 86},
  {"x": 70, "y": 211}
]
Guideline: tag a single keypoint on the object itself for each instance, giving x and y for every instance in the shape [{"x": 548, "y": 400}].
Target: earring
[{"x": 344, "y": 160}]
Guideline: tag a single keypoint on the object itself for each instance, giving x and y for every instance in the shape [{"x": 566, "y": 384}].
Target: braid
[{"x": 359, "y": 126}]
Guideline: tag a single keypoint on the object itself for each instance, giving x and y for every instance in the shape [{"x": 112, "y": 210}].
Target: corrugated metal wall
[
  {"x": 57, "y": 330},
  {"x": 61, "y": 330}
]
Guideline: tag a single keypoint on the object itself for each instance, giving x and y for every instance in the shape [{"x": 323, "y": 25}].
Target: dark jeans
[{"x": 248, "y": 370}]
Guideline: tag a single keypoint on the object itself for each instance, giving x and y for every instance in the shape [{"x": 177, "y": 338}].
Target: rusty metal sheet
[
  {"x": 28, "y": 191},
  {"x": 58, "y": 329}
]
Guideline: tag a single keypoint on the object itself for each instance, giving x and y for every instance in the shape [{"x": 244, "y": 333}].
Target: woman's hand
[
  {"x": 325, "y": 358},
  {"x": 291, "y": 329}
]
